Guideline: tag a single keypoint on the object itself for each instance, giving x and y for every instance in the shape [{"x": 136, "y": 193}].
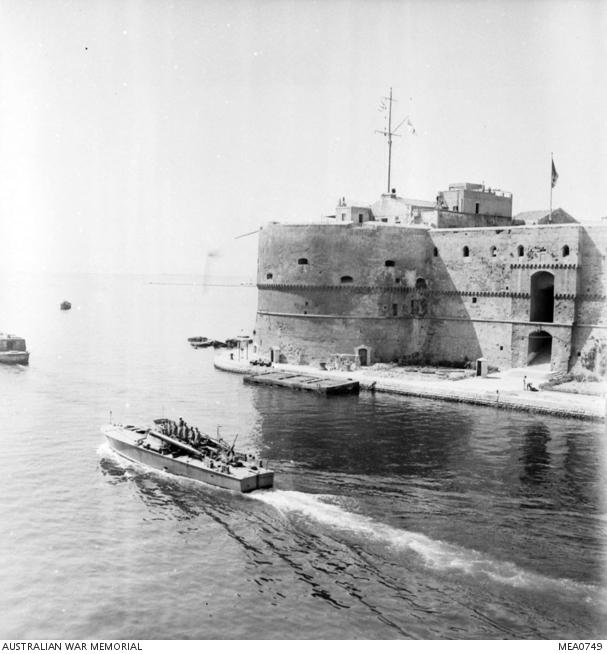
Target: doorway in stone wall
[
  {"x": 363, "y": 356},
  {"x": 539, "y": 349},
  {"x": 542, "y": 297}
]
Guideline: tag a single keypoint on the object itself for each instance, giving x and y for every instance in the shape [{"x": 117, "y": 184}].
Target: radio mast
[{"x": 389, "y": 133}]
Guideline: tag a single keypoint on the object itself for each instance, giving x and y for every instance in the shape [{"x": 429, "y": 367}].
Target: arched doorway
[
  {"x": 542, "y": 297},
  {"x": 363, "y": 353},
  {"x": 539, "y": 349}
]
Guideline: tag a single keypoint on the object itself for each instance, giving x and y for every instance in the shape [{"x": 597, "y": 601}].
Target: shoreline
[{"x": 503, "y": 390}]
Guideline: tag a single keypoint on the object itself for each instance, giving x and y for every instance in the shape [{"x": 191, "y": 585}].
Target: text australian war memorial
[{"x": 441, "y": 282}]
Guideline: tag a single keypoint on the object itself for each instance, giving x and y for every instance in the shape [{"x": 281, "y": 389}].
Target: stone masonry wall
[{"x": 412, "y": 292}]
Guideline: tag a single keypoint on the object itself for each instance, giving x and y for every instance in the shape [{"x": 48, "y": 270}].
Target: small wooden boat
[
  {"x": 200, "y": 457},
  {"x": 13, "y": 350},
  {"x": 65, "y": 305}
]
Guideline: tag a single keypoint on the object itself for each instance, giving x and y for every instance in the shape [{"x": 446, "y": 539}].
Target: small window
[
  {"x": 494, "y": 251},
  {"x": 420, "y": 284},
  {"x": 346, "y": 279},
  {"x": 302, "y": 262},
  {"x": 343, "y": 217},
  {"x": 473, "y": 300},
  {"x": 395, "y": 309},
  {"x": 389, "y": 263},
  {"x": 521, "y": 250},
  {"x": 466, "y": 251},
  {"x": 501, "y": 347},
  {"x": 269, "y": 276},
  {"x": 436, "y": 252},
  {"x": 360, "y": 217},
  {"x": 477, "y": 206},
  {"x": 565, "y": 250}
]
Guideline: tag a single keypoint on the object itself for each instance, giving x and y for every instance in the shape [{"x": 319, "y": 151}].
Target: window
[
  {"x": 389, "y": 263},
  {"x": 473, "y": 300},
  {"x": 466, "y": 251},
  {"x": 395, "y": 309},
  {"x": 565, "y": 250},
  {"x": 346, "y": 279},
  {"x": 269, "y": 276},
  {"x": 477, "y": 206},
  {"x": 343, "y": 217},
  {"x": 521, "y": 250},
  {"x": 436, "y": 252},
  {"x": 360, "y": 217},
  {"x": 494, "y": 251},
  {"x": 420, "y": 284},
  {"x": 302, "y": 262}
]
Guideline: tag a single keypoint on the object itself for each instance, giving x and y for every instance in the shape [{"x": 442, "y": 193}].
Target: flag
[
  {"x": 555, "y": 175},
  {"x": 382, "y": 106},
  {"x": 410, "y": 127}
]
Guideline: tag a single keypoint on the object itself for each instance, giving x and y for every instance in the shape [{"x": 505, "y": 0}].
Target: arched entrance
[
  {"x": 540, "y": 348},
  {"x": 364, "y": 355},
  {"x": 542, "y": 297}
]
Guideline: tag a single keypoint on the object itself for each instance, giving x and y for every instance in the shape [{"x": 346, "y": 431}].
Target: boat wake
[{"x": 436, "y": 554}]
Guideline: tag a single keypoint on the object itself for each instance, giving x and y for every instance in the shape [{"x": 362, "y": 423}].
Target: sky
[{"x": 144, "y": 136}]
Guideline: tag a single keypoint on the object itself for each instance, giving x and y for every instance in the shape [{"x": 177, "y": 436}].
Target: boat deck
[{"x": 303, "y": 382}]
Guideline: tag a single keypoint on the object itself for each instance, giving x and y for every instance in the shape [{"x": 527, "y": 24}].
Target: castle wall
[
  {"x": 345, "y": 296},
  {"x": 412, "y": 293},
  {"x": 589, "y": 341}
]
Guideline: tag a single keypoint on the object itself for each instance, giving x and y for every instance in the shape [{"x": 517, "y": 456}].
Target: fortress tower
[{"x": 443, "y": 282}]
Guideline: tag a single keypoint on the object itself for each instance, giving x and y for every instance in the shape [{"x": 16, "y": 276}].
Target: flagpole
[{"x": 551, "y": 183}]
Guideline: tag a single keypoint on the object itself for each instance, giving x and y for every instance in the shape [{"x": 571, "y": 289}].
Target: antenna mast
[{"x": 389, "y": 133}]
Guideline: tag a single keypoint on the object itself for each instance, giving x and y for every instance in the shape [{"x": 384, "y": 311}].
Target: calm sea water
[{"x": 391, "y": 517}]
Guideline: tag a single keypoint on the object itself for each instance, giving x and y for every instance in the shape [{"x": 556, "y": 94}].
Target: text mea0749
[{"x": 185, "y": 451}]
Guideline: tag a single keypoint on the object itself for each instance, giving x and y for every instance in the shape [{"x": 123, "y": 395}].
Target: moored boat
[
  {"x": 13, "y": 350},
  {"x": 65, "y": 305},
  {"x": 185, "y": 451}
]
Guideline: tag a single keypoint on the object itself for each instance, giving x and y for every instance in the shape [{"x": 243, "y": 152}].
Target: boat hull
[
  {"x": 185, "y": 465},
  {"x": 13, "y": 358}
]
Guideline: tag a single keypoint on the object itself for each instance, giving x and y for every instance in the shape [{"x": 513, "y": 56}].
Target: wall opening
[
  {"x": 389, "y": 263},
  {"x": 542, "y": 297},
  {"x": 269, "y": 276},
  {"x": 346, "y": 279},
  {"x": 436, "y": 252},
  {"x": 420, "y": 284},
  {"x": 466, "y": 251},
  {"x": 540, "y": 348},
  {"x": 493, "y": 251},
  {"x": 363, "y": 356},
  {"x": 520, "y": 250},
  {"x": 565, "y": 250},
  {"x": 302, "y": 262}
]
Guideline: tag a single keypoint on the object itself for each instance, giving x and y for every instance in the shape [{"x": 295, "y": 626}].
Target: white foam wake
[{"x": 434, "y": 553}]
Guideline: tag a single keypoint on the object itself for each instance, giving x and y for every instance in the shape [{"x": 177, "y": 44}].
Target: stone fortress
[{"x": 440, "y": 283}]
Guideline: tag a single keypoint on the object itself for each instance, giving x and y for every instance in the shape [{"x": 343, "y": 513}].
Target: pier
[{"x": 304, "y": 382}]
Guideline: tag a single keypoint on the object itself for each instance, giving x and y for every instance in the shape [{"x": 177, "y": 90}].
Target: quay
[
  {"x": 304, "y": 382},
  {"x": 503, "y": 391}
]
